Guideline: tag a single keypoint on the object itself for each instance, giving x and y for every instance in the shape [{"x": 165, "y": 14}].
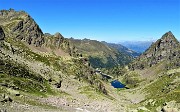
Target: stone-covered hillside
[{"x": 34, "y": 65}]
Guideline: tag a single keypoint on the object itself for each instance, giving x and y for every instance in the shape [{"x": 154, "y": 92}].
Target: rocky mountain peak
[
  {"x": 166, "y": 48},
  {"x": 164, "y": 45},
  {"x": 58, "y": 39},
  {"x": 169, "y": 38},
  {"x": 19, "y": 25}
]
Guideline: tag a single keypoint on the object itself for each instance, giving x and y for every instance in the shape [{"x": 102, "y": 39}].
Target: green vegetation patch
[
  {"x": 164, "y": 89},
  {"x": 132, "y": 79},
  {"x": 25, "y": 85},
  {"x": 18, "y": 77}
]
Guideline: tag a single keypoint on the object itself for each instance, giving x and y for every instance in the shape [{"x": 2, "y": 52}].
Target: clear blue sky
[{"x": 109, "y": 20}]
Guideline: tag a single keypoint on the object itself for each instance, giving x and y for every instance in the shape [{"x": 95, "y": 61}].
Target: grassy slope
[
  {"x": 165, "y": 89},
  {"x": 157, "y": 91}
]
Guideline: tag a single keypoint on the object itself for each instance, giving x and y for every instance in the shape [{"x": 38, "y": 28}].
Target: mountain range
[
  {"x": 44, "y": 72},
  {"x": 102, "y": 54}
]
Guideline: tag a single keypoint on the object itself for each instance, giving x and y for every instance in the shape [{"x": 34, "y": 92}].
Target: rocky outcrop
[
  {"x": 166, "y": 48},
  {"x": 29, "y": 31},
  {"x": 2, "y": 35},
  {"x": 58, "y": 39},
  {"x": 171, "y": 106},
  {"x": 163, "y": 47},
  {"x": 6, "y": 99},
  {"x": 20, "y": 25}
]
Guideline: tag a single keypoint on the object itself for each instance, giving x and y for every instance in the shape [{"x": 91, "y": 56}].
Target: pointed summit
[
  {"x": 166, "y": 48},
  {"x": 168, "y": 33},
  {"x": 169, "y": 37},
  {"x": 164, "y": 45}
]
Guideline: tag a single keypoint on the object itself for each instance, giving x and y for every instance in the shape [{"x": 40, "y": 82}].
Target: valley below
[{"x": 41, "y": 72}]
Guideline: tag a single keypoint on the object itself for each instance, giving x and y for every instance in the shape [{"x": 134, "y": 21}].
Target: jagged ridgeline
[
  {"x": 165, "y": 51},
  {"x": 20, "y": 25},
  {"x": 34, "y": 62}
]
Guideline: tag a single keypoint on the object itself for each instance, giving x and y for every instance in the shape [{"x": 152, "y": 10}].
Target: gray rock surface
[
  {"x": 20, "y": 25},
  {"x": 58, "y": 39},
  {"x": 166, "y": 48}
]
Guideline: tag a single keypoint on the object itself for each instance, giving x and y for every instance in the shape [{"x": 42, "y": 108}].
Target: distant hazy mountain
[
  {"x": 123, "y": 49},
  {"x": 138, "y": 46}
]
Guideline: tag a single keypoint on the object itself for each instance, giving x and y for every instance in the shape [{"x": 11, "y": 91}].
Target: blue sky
[{"x": 108, "y": 20}]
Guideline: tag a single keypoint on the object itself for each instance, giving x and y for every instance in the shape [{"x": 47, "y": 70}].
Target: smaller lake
[{"x": 117, "y": 84}]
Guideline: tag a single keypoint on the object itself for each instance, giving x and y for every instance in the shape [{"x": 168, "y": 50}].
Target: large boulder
[{"x": 2, "y": 35}]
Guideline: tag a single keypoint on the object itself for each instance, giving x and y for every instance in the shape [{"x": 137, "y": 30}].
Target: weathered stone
[
  {"x": 18, "y": 27},
  {"x": 2, "y": 35}
]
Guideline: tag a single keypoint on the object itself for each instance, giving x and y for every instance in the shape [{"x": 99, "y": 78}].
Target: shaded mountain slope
[
  {"x": 123, "y": 49},
  {"x": 101, "y": 55}
]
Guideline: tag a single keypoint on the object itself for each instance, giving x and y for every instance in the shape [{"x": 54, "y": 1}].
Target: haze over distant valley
[{"x": 138, "y": 46}]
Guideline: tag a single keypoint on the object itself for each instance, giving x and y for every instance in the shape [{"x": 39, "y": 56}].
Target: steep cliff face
[
  {"x": 20, "y": 25},
  {"x": 165, "y": 49}
]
